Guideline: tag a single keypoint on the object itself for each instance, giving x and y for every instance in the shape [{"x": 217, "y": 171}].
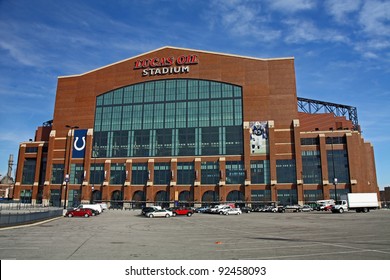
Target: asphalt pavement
[{"x": 126, "y": 235}]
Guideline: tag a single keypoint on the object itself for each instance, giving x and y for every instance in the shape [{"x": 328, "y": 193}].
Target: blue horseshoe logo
[{"x": 77, "y": 148}]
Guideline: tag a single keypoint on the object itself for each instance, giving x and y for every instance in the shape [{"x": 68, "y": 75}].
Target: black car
[{"x": 246, "y": 209}]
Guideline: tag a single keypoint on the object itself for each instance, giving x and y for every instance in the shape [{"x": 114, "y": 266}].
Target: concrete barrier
[{"x": 18, "y": 217}]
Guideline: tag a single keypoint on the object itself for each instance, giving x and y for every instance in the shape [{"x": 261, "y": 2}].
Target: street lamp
[
  {"x": 335, "y": 188},
  {"x": 69, "y": 149}
]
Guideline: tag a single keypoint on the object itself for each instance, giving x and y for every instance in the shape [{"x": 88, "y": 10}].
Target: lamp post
[
  {"x": 335, "y": 188},
  {"x": 69, "y": 150}
]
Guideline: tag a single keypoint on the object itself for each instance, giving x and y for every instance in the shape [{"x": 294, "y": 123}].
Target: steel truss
[{"x": 315, "y": 106}]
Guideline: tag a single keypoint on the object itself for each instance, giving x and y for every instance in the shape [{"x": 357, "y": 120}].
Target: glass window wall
[{"x": 169, "y": 118}]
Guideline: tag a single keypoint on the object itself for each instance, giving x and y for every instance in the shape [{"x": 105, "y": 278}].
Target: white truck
[
  {"x": 96, "y": 207},
  {"x": 360, "y": 202}
]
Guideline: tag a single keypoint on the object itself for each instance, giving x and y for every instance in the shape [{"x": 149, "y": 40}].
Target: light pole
[{"x": 69, "y": 150}]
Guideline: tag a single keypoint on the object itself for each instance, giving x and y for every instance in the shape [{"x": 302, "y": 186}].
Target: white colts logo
[{"x": 75, "y": 144}]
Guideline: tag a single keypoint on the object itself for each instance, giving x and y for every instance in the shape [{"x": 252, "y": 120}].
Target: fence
[{"x": 17, "y": 214}]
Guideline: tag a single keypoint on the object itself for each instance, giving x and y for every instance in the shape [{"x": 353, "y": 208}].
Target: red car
[
  {"x": 182, "y": 211},
  {"x": 79, "y": 212}
]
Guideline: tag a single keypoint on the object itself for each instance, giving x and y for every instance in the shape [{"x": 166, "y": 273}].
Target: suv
[{"x": 182, "y": 211}]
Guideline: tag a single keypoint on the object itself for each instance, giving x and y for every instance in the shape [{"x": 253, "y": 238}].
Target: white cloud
[
  {"x": 300, "y": 31},
  {"x": 375, "y": 18},
  {"x": 18, "y": 46},
  {"x": 242, "y": 18},
  {"x": 340, "y": 10},
  {"x": 292, "y": 6}
]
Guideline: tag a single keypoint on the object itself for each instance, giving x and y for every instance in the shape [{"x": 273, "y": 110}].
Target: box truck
[{"x": 360, "y": 202}]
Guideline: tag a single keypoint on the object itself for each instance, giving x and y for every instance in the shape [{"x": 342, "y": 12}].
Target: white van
[
  {"x": 96, "y": 207},
  {"x": 103, "y": 205}
]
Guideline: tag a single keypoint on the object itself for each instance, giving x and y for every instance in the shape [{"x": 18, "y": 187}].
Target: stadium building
[{"x": 181, "y": 126}]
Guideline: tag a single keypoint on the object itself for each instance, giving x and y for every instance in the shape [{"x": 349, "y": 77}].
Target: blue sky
[{"x": 341, "y": 50}]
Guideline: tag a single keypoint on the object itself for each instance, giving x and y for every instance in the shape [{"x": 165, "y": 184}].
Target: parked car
[
  {"x": 272, "y": 209},
  {"x": 293, "y": 208},
  {"x": 230, "y": 211},
  {"x": 259, "y": 209},
  {"x": 202, "y": 209},
  {"x": 218, "y": 208},
  {"x": 146, "y": 210},
  {"x": 94, "y": 211},
  {"x": 306, "y": 208},
  {"x": 246, "y": 209},
  {"x": 159, "y": 213},
  {"x": 182, "y": 211},
  {"x": 79, "y": 212}
]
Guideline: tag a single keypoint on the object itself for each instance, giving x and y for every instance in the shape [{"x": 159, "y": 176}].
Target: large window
[
  {"x": 286, "y": 171},
  {"x": 185, "y": 173},
  {"x": 287, "y": 197},
  {"x": 178, "y": 117},
  {"x": 235, "y": 172},
  {"x": 139, "y": 174},
  {"x": 260, "y": 173},
  {"x": 57, "y": 174},
  {"x": 117, "y": 174},
  {"x": 210, "y": 172},
  {"x": 311, "y": 167},
  {"x": 311, "y": 196},
  {"x": 162, "y": 173},
  {"x": 29, "y": 171},
  {"x": 261, "y": 197},
  {"x": 338, "y": 166},
  {"x": 96, "y": 173},
  {"x": 76, "y": 174}
]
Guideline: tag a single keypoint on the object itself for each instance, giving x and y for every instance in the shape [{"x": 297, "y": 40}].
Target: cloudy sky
[{"x": 341, "y": 51}]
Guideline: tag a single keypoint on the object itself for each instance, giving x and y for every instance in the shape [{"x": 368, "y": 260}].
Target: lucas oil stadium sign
[{"x": 166, "y": 65}]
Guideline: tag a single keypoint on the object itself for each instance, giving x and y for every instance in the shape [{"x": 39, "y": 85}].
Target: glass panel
[
  {"x": 185, "y": 173},
  {"x": 260, "y": 173},
  {"x": 29, "y": 171},
  {"x": 210, "y": 172},
  {"x": 311, "y": 167},
  {"x": 338, "y": 166},
  {"x": 139, "y": 174},
  {"x": 286, "y": 171},
  {"x": 162, "y": 173},
  {"x": 235, "y": 172},
  {"x": 76, "y": 174},
  {"x": 57, "y": 174},
  {"x": 117, "y": 174},
  {"x": 287, "y": 197}
]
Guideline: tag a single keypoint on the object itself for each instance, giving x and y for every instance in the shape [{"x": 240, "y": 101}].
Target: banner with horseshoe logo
[{"x": 79, "y": 143}]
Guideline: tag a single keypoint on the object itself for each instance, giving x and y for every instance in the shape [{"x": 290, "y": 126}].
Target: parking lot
[{"x": 125, "y": 235}]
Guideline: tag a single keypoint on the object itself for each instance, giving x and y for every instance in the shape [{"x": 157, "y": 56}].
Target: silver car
[
  {"x": 159, "y": 213},
  {"x": 231, "y": 211}
]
